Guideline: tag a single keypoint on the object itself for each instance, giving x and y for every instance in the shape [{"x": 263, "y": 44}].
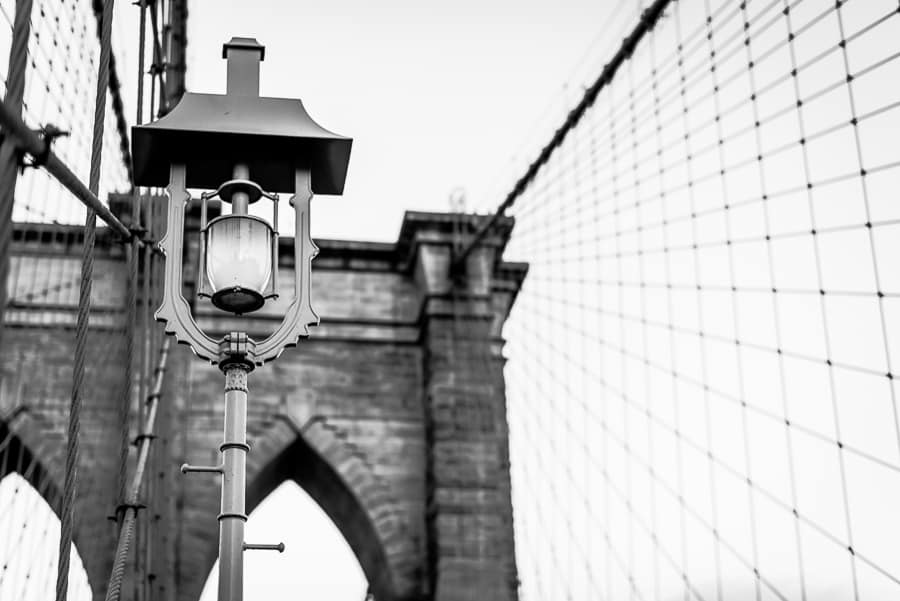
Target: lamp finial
[{"x": 243, "y": 56}]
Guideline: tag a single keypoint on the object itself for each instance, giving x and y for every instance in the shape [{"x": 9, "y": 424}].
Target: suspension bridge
[{"x": 662, "y": 366}]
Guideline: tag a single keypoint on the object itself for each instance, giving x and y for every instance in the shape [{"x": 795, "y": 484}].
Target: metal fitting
[
  {"x": 141, "y": 437},
  {"x": 260, "y": 547},
  {"x": 235, "y": 377},
  {"x": 209, "y": 469},
  {"x": 48, "y": 134}
]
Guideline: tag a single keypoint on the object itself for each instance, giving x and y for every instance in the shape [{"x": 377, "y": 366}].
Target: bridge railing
[{"x": 702, "y": 360}]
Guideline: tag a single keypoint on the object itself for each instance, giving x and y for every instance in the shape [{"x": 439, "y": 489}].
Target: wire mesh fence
[
  {"x": 76, "y": 318},
  {"x": 61, "y": 79},
  {"x": 701, "y": 362}
]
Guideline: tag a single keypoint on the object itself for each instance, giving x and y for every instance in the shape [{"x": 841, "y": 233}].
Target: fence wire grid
[
  {"x": 60, "y": 83},
  {"x": 42, "y": 303},
  {"x": 701, "y": 374}
]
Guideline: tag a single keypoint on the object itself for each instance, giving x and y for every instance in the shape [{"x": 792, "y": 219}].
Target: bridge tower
[{"x": 391, "y": 415}]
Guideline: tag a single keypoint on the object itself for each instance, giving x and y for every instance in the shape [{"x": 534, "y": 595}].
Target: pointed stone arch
[
  {"x": 328, "y": 467},
  {"x": 317, "y": 457},
  {"x": 21, "y": 452},
  {"x": 381, "y": 397},
  {"x": 26, "y": 450}
]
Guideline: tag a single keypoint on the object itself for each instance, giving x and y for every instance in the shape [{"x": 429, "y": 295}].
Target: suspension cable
[
  {"x": 84, "y": 309},
  {"x": 648, "y": 19},
  {"x": 158, "y": 66},
  {"x": 115, "y": 93},
  {"x": 33, "y": 144}
]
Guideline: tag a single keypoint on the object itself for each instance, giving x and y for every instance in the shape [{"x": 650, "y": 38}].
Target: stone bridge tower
[{"x": 391, "y": 415}]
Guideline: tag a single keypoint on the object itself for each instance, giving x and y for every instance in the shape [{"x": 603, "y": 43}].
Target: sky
[
  {"x": 316, "y": 561},
  {"x": 437, "y": 96}
]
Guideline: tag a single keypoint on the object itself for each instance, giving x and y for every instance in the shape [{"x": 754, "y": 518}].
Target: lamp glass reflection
[{"x": 238, "y": 261}]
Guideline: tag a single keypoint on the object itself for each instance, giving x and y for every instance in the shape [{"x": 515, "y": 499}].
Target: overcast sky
[{"x": 436, "y": 96}]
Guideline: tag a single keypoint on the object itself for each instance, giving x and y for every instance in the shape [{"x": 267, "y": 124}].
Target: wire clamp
[
  {"x": 141, "y": 437},
  {"x": 48, "y": 134},
  {"x": 232, "y": 515},
  {"x": 124, "y": 507},
  {"x": 138, "y": 232}
]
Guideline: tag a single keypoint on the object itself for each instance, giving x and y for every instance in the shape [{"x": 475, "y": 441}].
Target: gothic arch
[
  {"x": 316, "y": 457},
  {"x": 26, "y": 450},
  {"x": 21, "y": 452}
]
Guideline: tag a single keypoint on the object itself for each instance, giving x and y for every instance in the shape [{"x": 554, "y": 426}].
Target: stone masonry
[{"x": 391, "y": 415}]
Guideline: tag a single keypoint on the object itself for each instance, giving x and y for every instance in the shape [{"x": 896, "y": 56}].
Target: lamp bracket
[
  {"x": 300, "y": 314},
  {"x": 175, "y": 311},
  {"x": 236, "y": 347}
]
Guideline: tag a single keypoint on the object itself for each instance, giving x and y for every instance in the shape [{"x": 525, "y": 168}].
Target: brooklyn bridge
[{"x": 653, "y": 360}]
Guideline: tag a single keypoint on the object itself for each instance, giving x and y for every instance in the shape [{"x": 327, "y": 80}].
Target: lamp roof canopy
[{"x": 210, "y": 133}]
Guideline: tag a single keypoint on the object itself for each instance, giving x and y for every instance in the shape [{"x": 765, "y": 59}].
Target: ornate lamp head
[{"x": 241, "y": 148}]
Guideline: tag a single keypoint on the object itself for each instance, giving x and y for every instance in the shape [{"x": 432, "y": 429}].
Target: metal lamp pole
[
  {"x": 234, "y": 449},
  {"x": 201, "y": 141},
  {"x": 233, "y": 469},
  {"x": 234, "y": 483}
]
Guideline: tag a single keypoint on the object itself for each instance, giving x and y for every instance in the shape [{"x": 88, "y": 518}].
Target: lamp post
[{"x": 218, "y": 143}]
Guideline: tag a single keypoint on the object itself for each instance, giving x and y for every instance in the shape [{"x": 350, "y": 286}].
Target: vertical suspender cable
[
  {"x": 114, "y": 590},
  {"x": 115, "y": 95},
  {"x": 158, "y": 70},
  {"x": 84, "y": 306},
  {"x": 132, "y": 254},
  {"x": 130, "y": 315},
  {"x": 647, "y": 21},
  {"x": 149, "y": 292},
  {"x": 15, "y": 93},
  {"x": 142, "y": 40},
  {"x": 139, "y": 315}
]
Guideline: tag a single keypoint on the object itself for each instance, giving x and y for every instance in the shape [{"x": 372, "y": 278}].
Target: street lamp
[{"x": 217, "y": 143}]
